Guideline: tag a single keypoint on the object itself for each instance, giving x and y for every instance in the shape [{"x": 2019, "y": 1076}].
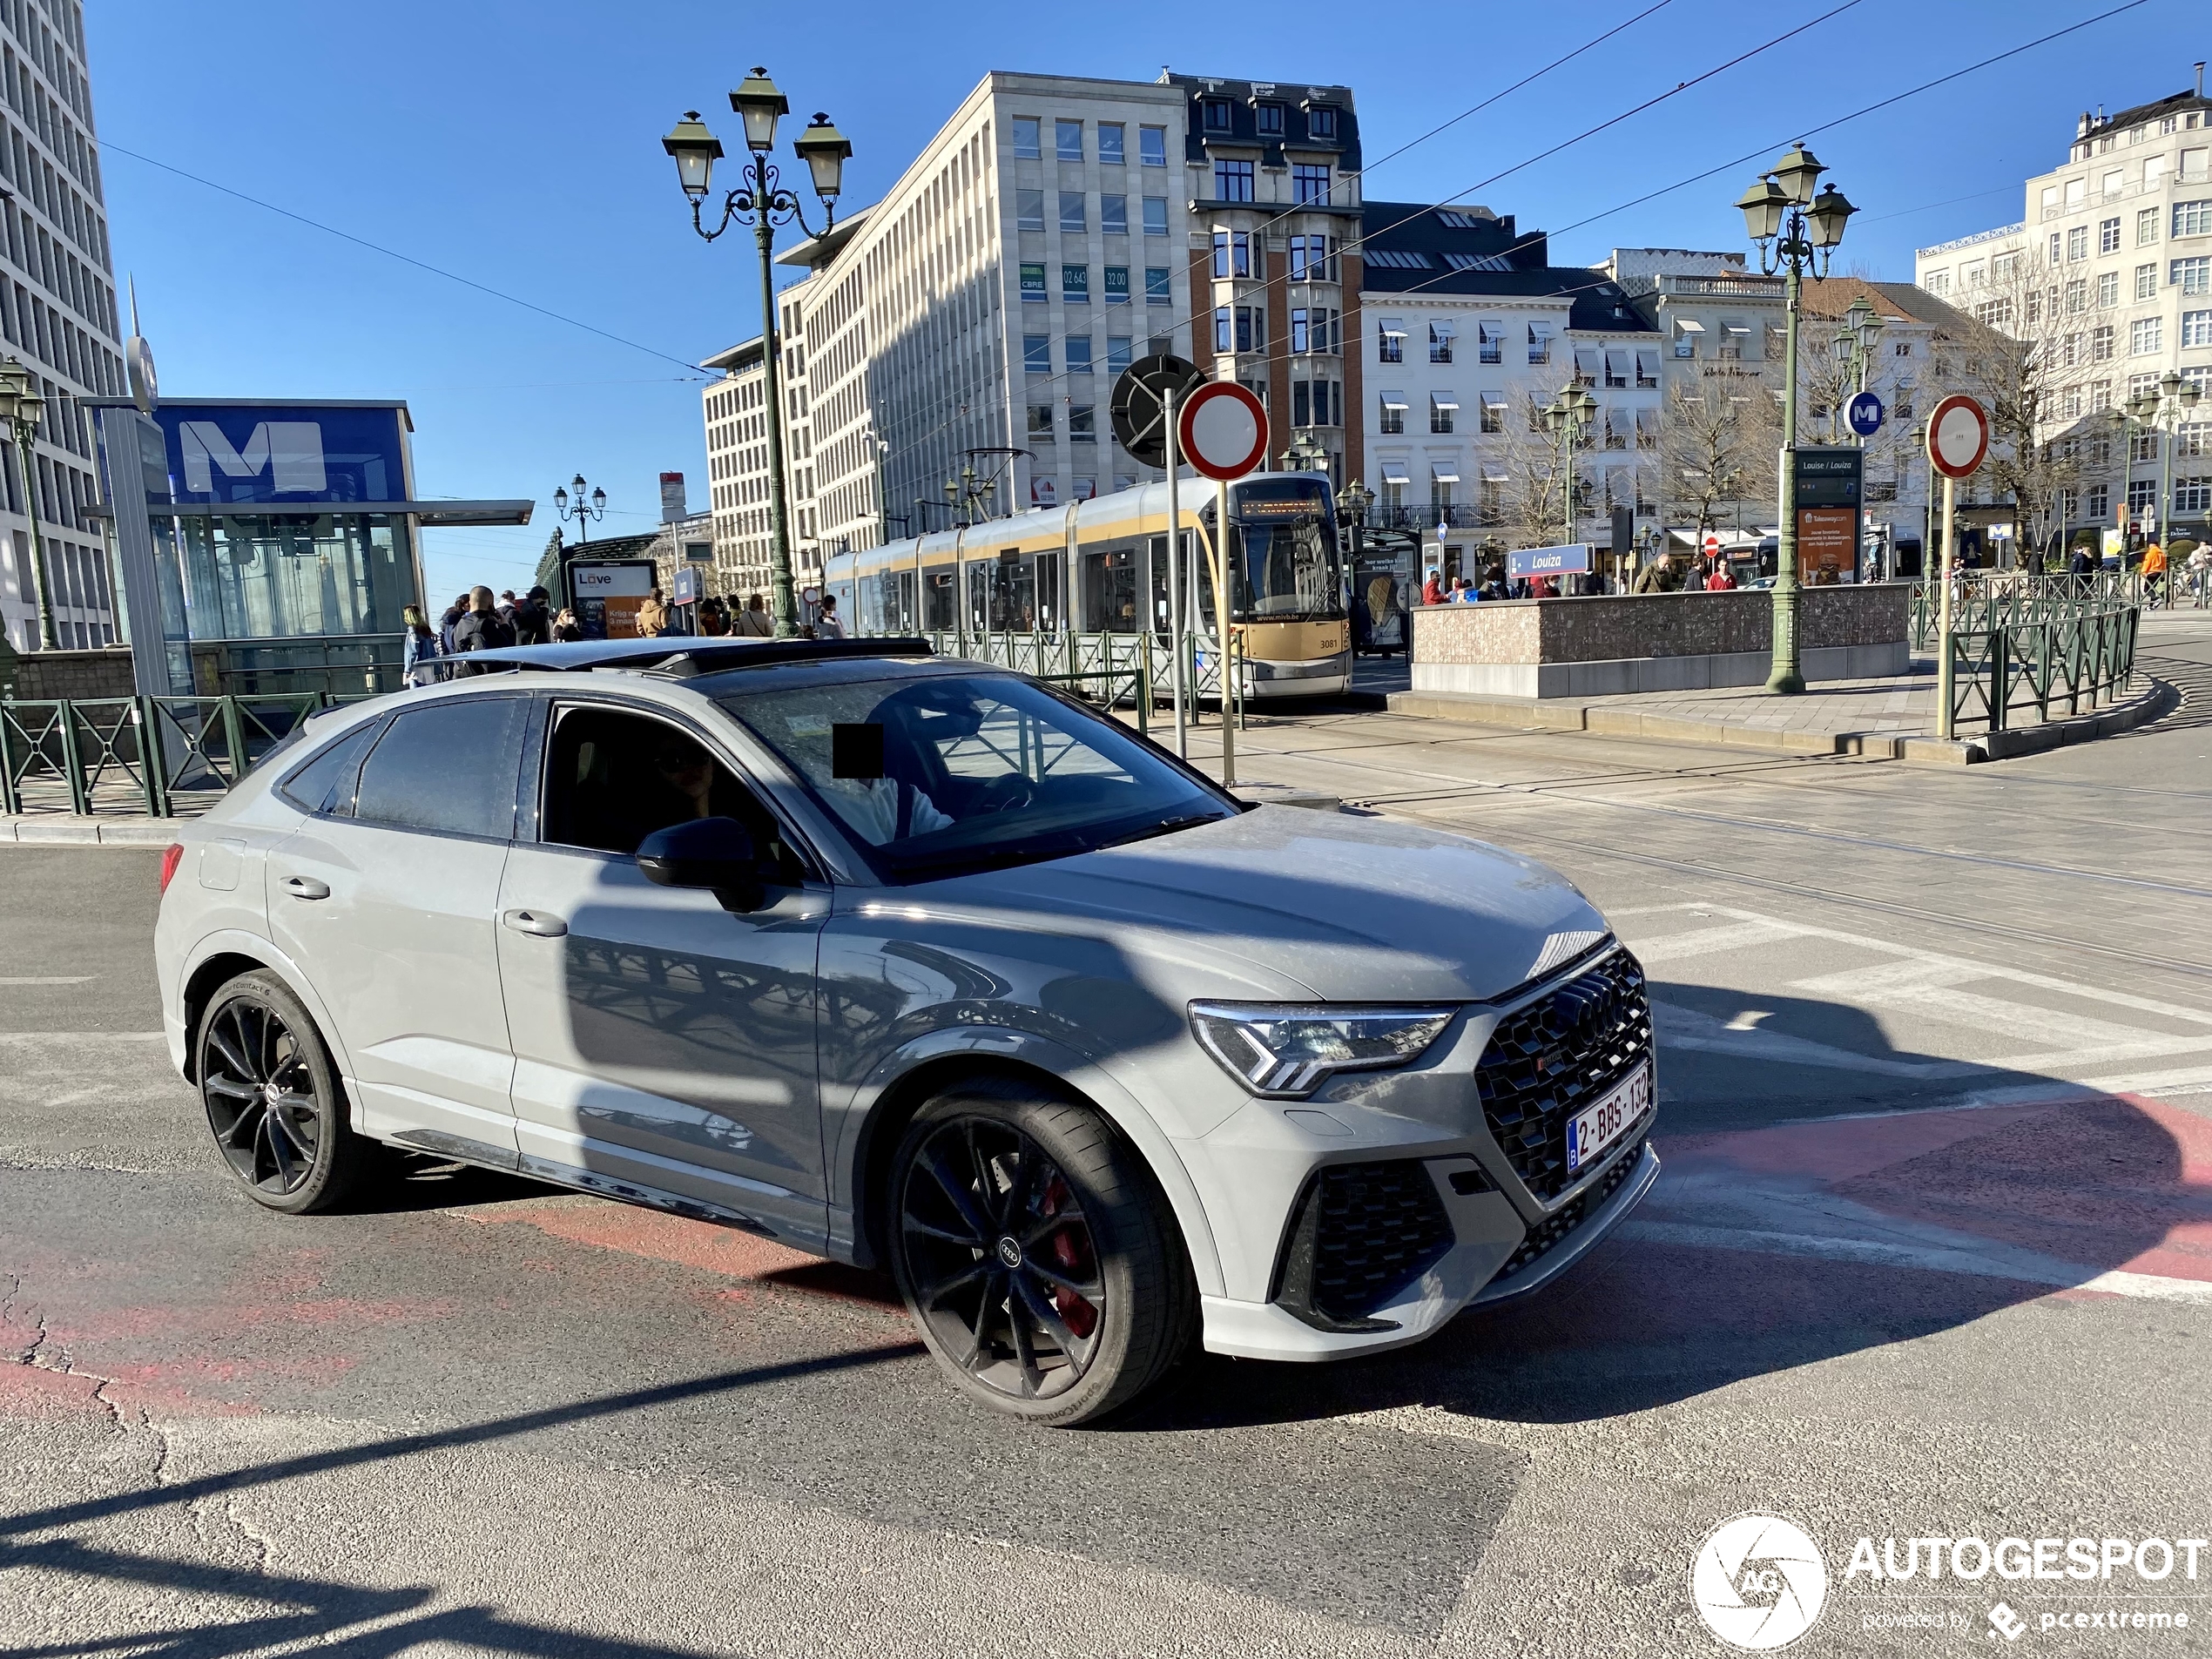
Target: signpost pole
[
  {"x": 1175, "y": 582},
  {"x": 1944, "y": 667},
  {"x": 1221, "y": 633}
]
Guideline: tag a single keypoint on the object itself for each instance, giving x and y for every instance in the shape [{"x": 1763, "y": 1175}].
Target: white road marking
[
  {"x": 84, "y": 1036},
  {"x": 53, "y": 978},
  {"x": 2154, "y": 1287},
  {"x": 1682, "y": 1028},
  {"x": 1705, "y": 941}
]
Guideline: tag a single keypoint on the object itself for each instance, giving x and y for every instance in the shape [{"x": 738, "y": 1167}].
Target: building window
[
  {"x": 1039, "y": 423},
  {"x": 1075, "y": 284},
  {"x": 1321, "y": 121},
  {"x": 1267, "y": 120},
  {"x": 1493, "y": 412},
  {"x": 2101, "y": 343},
  {"x": 1440, "y": 493},
  {"x": 2196, "y": 328},
  {"x": 1224, "y": 338},
  {"x": 1216, "y": 115},
  {"x": 1937, "y": 282},
  {"x": 1117, "y": 285},
  {"x": 2057, "y": 243},
  {"x": 1033, "y": 290},
  {"x": 1109, "y": 143},
  {"x": 2077, "y": 296},
  {"x": 2192, "y": 495},
  {"x": 1155, "y": 215},
  {"x": 2147, "y": 228},
  {"x": 1232, "y": 180},
  {"x": 2145, "y": 336},
  {"x": 1113, "y": 215},
  {"x": 1313, "y": 259},
  {"x": 2191, "y": 276},
  {"x": 1647, "y": 366},
  {"x": 2193, "y": 219},
  {"x": 2108, "y": 236},
  {"x": 1158, "y": 289},
  {"x": 1152, "y": 146},
  {"x": 1300, "y": 337},
  {"x": 1441, "y": 407},
  {"x": 1391, "y": 421},
  {"x": 2108, "y": 289},
  {"x": 1036, "y": 353},
  {"x": 1309, "y": 185},
  {"x": 2100, "y": 396},
  {"x": 1028, "y": 210},
  {"x": 1068, "y": 137},
  {"x": 1232, "y": 254},
  {"x": 1082, "y": 424},
  {"x": 1117, "y": 353},
  {"x": 1072, "y": 217},
  {"x": 1077, "y": 348},
  {"x": 1539, "y": 343},
  {"x": 2147, "y": 283},
  {"x": 1251, "y": 328},
  {"x": 2077, "y": 243},
  {"x": 1390, "y": 340},
  {"x": 1440, "y": 342},
  {"x": 2097, "y": 503},
  {"x": 1027, "y": 142},
  {"x": 1616, "y": 368}
]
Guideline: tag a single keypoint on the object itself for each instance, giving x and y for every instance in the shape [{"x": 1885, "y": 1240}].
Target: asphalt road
[{"x": 1933, "y": 1256}]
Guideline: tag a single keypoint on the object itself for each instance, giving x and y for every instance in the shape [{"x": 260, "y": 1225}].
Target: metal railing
[
  {"x": 150, "y": 750},
  {"x": 1136, "y": 668},
  {"x": 2031, "y": 646}
]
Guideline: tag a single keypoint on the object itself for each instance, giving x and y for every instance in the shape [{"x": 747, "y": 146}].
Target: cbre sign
[{"x": 284, "y": 453}]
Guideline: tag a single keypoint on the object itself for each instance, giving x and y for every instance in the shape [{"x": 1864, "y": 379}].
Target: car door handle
[
  {"x": 305, "y": 886},
  {"x": 534, "y": 923}
]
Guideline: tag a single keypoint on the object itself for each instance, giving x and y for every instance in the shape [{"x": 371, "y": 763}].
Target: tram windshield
[{"x": 1283, "y": 551}]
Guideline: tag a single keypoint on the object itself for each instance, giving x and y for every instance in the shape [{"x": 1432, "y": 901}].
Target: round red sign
[
  {"x": 1224, "y": 430},
  {"x": 1958, "y": 435}
]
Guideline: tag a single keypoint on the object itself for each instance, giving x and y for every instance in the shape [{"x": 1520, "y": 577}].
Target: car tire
[
  {"x": 1036, "y": 1254},
  {"x": 273, "y": 1101}
]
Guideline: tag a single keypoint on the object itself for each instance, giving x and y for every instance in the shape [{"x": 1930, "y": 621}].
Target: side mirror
[{"x": 714, "y": 853}]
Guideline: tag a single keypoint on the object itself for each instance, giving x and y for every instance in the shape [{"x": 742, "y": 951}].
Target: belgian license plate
[{"x": 1590, "y": 1132}]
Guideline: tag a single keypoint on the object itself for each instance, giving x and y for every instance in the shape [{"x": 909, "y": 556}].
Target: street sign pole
[
  {"x": 1221, "y": 632},
  {"x": 1958, "y": 441},
  {"x": 1223, "y": 429},
  {"x": 1944, "y": 667},
  {"x": 1175, "y": 579},
  {"x": 1144, "y": 412}
]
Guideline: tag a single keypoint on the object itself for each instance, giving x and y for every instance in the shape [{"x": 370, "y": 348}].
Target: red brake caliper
[{"x": 1078, "y": 1315}]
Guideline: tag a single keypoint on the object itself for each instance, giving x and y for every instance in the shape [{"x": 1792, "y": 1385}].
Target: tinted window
[
  {"x": 325, "y": 783},
  {"x": 449, "y": 767},
  {"x": 612, "y": 778}
]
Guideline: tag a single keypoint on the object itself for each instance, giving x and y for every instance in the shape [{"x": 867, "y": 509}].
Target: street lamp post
[
  {"x": 583, "y": 508},
  {"x": 1794, "y": 221},
  {"x": 21, "y": 406},
  {"x": 1855, "y": 336},
  {"x": 2176, "y": 398},
  {"x": 761, "y": 202},
  {"x": 1352, "y": 502},
  {"x": 1567, "y": 417}
]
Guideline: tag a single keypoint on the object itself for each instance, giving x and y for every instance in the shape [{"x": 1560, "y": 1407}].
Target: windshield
[
  {"x": 1283, "y": 552},
  {"x": 943, "y": 774}
]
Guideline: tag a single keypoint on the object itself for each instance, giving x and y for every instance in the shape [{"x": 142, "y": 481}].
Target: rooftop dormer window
[
  {"x": 1214, "y": 114},
  {"x": 1267, "y": 118},
  {"x": 1321, "y": 121}
]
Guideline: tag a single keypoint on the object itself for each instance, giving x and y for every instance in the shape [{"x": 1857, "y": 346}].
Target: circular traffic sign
[
  {"x": 1958, "y": 435},
  {"x": 1865, "y": 414},
  {"x": 1137, "y": 408},
  {"x": 1224, "y": 430}
]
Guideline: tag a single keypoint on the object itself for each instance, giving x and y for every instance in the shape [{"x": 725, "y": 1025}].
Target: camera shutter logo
[{"x": 1758, "y": 1581}]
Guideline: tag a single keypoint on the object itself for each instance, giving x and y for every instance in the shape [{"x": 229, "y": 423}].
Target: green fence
[
  {"x": 160, "y": 752},
  {"x": 2032, "y": 647},
  {"x": 1127, "y": 659}
]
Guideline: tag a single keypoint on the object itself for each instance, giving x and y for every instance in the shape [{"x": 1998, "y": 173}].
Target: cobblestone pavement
[{"x": 1933, "y": 1256}]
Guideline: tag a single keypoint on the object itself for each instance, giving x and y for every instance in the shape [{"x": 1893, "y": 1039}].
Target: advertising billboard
[
  {"x": 279, "y": 453},
  {"x": 608, "y": 593}
]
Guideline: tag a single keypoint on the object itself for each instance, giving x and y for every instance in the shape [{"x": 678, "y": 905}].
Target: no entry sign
[
  {"x": 1958, "y": 436},
  {"x": 1224, "y": 430}
]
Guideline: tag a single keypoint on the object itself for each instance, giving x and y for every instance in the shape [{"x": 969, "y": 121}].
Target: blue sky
[{"x": 518, "y": 146}]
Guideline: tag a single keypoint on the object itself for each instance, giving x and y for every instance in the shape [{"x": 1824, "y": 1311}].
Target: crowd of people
[
  {"x": 477, "y": 621},
  {"x": 1663, "y": 575}
]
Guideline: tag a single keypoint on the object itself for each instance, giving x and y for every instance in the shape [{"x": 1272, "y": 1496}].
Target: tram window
[
  {"x": 1049, "y": 616},
  {"x": 941, "y": 609},
  {"x": 1110, "y": 590}
]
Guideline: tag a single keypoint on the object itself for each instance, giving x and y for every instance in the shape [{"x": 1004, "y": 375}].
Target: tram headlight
[{"x": 1286, "y": 1052}]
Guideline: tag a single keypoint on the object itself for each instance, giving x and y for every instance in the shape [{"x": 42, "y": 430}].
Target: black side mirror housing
[{"x": 714, "y": 853}]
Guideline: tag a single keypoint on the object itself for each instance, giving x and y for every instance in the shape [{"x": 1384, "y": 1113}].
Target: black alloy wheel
[
  {"x": 1036, "y": 1255},
  {"x": 273, "y": 1099}
]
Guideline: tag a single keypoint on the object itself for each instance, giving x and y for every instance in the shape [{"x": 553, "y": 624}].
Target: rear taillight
[{"x": 172, "y": 856}]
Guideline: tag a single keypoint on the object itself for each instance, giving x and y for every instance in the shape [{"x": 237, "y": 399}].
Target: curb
[
  {"x": 89, "y": 832},
  {"x": 2156, "y": 699}
]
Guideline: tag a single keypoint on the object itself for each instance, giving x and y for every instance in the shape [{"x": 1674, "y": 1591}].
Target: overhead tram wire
[
  {"x": 1650, "y": 102},
  {"x": 405, "y": 258}
]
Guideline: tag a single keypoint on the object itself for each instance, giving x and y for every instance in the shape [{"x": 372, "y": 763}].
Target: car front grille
[
  {"x": 1358, "y": 1235},
  {"x": 1561, "y": 1053},
  {"x": 1554, "y": 1229}
]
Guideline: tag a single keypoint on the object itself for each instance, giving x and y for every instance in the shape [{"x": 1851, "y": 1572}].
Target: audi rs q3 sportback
[{"x": 915, "y": 964}]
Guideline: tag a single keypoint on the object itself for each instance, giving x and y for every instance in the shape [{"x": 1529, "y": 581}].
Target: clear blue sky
[{"x": 518, "y": 146}]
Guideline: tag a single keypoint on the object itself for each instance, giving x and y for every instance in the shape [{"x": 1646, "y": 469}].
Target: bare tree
[
  {"x": 1718, "y": 442},
  {"x": 1531, "y": 508}
]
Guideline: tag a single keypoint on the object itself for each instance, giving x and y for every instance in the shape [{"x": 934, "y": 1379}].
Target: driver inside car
[{"x": 885, "y": 809}]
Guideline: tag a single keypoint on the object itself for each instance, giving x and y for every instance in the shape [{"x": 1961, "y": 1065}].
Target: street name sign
[{"x": 1548, "y": 561}]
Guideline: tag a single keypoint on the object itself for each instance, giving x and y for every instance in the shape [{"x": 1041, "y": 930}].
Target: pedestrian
[
  {"x": 2079, "y": 563},
  {"x": 1720, "y": 580},
  {"x": 714, "y": 618},
  {"x": 566, "y": 629},
  {"x": 533, "y": 624},
  {"x": 482, "y": 629},
  {"x": 419, "y": 649},
  {"x": 828, "y": 626},
  {"x": 2153, "y": 572},
  {"x": 2200, "y": 568},
  {"x": 652, "y": 617},
  {"x": 506, "y": 604},
  {"x": 1433, "y": 589},
  {"x": 449, "y": 621},
  {"x": 754, "y": 622}
]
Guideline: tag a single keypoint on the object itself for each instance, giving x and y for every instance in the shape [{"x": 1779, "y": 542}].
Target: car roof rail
[{"x": 683, "y": 655}]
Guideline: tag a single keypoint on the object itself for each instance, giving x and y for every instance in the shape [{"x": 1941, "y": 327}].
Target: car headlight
[{"x": 1283, "y": 1053}]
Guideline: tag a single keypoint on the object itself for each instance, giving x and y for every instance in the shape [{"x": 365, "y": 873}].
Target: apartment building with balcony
[
  {"x": 2111, "y": 262},
  {"x": 1469, "y": 331}
]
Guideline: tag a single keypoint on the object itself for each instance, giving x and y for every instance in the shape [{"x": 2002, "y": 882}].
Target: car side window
[
  {"x": 447, "y": 767},
  {"x": 325, "y": 783},
  {"x": 613, "y": 777}
]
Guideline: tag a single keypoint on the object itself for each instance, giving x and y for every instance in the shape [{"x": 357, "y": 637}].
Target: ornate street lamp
[
  {"x": 21, "y": 406},
  {"x": 761, "y": 202},
  {"x": 1794, "y": 227},
  {"x": 1567, "y": 417},
  {"x": 1856, "y": 332},
  {"x": 583, "y": 509}
]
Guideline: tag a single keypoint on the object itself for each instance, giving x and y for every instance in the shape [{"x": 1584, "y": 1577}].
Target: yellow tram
[{"x": 1101, "y": 566}]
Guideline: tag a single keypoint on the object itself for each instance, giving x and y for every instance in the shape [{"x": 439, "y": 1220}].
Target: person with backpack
[{"x": 482, "y": 629}]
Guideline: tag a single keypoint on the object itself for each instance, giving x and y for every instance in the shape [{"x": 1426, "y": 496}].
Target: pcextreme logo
[{"x": 1758, "y": 1581}]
